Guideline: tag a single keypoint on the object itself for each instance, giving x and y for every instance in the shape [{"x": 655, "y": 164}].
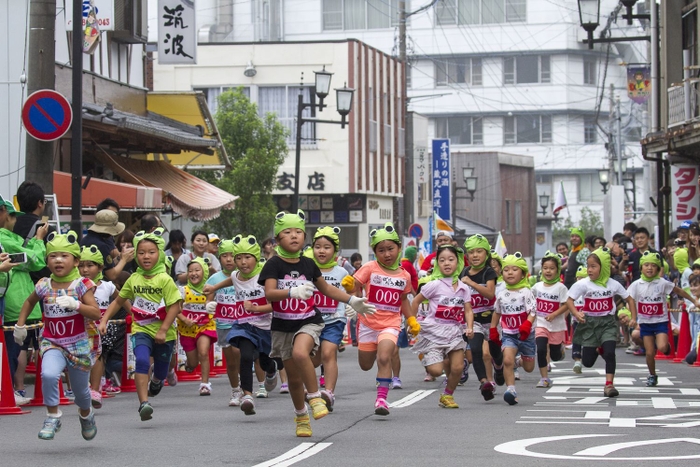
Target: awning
[
  {"x": 130, "y": 197},
  {"x": 190, "y": 108},
  {"x": 188, "y": 195},
  {"x": 125, "y": 132}
]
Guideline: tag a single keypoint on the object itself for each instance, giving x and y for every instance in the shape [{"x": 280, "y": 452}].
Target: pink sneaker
[
  {"x": 110, "y": 388},
  {"x": 96, "y": 398},
  {"x": 322, "y": 381},
  {"x": 381, "y": 407}
]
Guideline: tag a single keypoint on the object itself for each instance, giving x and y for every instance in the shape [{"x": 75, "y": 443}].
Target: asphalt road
[{"x": 568, "y": 423}]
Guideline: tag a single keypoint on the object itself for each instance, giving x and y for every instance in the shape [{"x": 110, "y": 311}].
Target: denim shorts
[
  {"x": 333, "y": 332},
  {"x": 526, "y": 347},
  {"x": 652, "y": 329}
]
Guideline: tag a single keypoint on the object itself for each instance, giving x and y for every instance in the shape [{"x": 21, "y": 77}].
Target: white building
[{"x": 492, "y": 75}]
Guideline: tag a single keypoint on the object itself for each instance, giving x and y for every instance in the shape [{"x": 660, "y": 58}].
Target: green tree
[
  {"x": 257, "y": 147},
  {"x": 591, "y": 224}
]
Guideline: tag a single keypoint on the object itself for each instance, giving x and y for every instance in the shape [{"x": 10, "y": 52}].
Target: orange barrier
[
  {"x": 8, "y": 406},
  {"x": 672, "y": 346},
  {"x": 685, "y": 341}
]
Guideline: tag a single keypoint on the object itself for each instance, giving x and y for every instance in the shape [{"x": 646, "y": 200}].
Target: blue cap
[{"x": 685, "y": 225}]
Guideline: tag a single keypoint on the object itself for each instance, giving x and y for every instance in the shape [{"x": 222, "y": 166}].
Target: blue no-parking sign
[{"x": 47, "y": 115}]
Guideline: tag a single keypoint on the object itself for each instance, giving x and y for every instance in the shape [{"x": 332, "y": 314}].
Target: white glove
[
  {"x": 211, "y": 307},
  {"x": 422, "y": 273},
  {"x": 350, "y": 313},
  {"x": 66, "y": 302},
  {"x": 20, "y": 334},
  {"x": 302, "y": 292},
  {"x": 361, "y": 306}
]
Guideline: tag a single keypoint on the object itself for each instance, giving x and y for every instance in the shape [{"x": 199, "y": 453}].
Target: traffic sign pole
[{"x": 76, "y": 143}]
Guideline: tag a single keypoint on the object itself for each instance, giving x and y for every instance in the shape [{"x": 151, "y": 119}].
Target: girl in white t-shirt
[
  {"x": 550, "y": 334},
  {"x": 650, "y": 292},
  {"x": 91, "y": 266},
  {"x": 442, "y": 339},
  {"x": 598, "y": 330}
]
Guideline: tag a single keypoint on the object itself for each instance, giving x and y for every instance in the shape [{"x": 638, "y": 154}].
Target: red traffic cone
[
  {"x": 62, "y": 399},
  {"x": 8, "y": 406},
  {"x": 685, "y": 341},
  {"x": 128, "y": 384}
]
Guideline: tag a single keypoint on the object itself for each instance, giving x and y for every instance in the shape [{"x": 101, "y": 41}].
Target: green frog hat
[
  {"x": 516, "y": 259},
  {"x": 332, "y": 234},
  {"x": 248, "y": 245},
  {"x": 204, "y": 263},
  {"x": 286, "y": 220},
  {"x": 387, "y": 233},
  {"x": 478, "y": 241},
  {"x": 156, "y": 237},
  {"x": 64, "y": 243}
]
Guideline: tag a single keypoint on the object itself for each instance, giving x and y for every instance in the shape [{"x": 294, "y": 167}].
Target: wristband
[{"x": 349, "y": 300}]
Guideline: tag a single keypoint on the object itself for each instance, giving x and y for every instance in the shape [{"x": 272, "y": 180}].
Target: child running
[
  {"x": 152, "y": 331},
  {"x": 597, "y": 330},
  {"x": 223, "y": 308},
  {"x": 386, "y": 286},
  {"x": 481, "y": 279},
  {"x": 442, "y": 338},
  {"x": 68, "y": 304},
  {"x": 196, "y": 326},
  {"x": 550, "y": 334},
  {"x": 296, "y": 323},
  {"x": 515, "y": 308},
  {"x": 91, "y": 265},
  {"x": 250, "y": 317},
  {"x": 326, "y": 245},
  {"x": 650, "y": 292}
]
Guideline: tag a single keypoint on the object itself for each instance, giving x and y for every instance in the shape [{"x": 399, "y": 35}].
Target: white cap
[
  {"x": 443, "y": 232},
  {"x": 213, "y": 237}
]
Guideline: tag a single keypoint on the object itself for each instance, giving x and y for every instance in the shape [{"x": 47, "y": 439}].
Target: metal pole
[
  {"x": 76, "y": 143},
  {"x": 41, "y": 66},
  {"x": 618, "y": 143},
  {"x": 655, "y": 119},
  {"x": 409, "y": 190},
  {"x": 297, "y": 159}
]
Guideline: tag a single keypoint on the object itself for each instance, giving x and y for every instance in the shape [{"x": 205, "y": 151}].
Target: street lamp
[
  {"x": 604, "y": 179},
  {"x": 344, "y": 97},
  {"x": 589, "y": 17},
  {"x": 620, "y": 167},
  {"x": 470, "y": 181},
  {"x": 544, "y": 202}
]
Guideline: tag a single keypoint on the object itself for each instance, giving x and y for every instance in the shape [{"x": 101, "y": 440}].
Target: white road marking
[
  {"x": 663, "y": 403},
  {"x": 598, "y": 414},
  {"x": 622, "y": 423},
  {"x": 412, "y": 398},
  {"x": 610, "y": 448},
  {"x": 301, "y": 452}
]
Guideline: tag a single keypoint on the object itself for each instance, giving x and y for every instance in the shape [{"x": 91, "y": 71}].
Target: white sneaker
[
  {"x": 261, "y": 393},
  {"x": 632, "y": 348},
  {"x": 516, "y": 373},
  {"x": 248, "y": 405},
  {"x": 21, "y": 400},
  {"x": 236, "y": 395}
]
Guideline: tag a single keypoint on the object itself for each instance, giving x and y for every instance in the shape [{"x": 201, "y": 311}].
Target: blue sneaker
[
  {"x": 88, "y": 428},
  {"x": 51, "y": 426},
  {"x": 510, "y": 396},
  {"x": 465, "y": 373}
]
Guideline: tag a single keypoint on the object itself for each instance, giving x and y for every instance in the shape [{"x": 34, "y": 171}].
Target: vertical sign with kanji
[
  {"x": 177, "y": 32},
  {"x": 685, "y": 198},
  {"x": 441, "y": 178}
]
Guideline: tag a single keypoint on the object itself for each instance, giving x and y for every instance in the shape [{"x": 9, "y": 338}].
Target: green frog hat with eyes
[{"x": 156, "y": 237}]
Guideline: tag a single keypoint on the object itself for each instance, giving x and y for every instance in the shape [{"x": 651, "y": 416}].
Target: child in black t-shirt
[
  {"x": 481, "y": 279},
  {"x": 296, "y": 323}
]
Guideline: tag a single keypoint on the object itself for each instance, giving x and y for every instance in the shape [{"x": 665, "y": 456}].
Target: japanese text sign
[
  {"x": 177, "y": 32},
  {"x": 685, "y": 198},
  {"x": 441, "y": 178}
]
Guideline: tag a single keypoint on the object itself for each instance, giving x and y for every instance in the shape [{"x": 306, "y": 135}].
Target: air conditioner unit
[{"x": 130, "y": 21}]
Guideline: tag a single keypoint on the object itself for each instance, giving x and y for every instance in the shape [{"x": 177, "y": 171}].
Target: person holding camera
[{"x": 31, "y": 259}]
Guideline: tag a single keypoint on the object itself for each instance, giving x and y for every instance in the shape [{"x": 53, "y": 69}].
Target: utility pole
[
  {"x": 407, "y": 125},
  {"x": 618, "y": 144},
  {"x": 76, "y": 142},
  {"x": 41, "y": 66}
]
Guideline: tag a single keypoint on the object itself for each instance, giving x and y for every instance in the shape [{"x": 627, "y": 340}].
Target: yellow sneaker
[
  {"x": 303, "y": 426},
  {"x": 318, "y": 408},
  {"x": 448, "y": 402}
]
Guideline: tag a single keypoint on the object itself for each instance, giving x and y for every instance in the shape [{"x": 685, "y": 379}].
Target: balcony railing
[{"x": 682, "y": 103}]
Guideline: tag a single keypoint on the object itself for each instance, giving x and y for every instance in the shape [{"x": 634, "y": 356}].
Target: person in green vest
[{"x": 19, "y": 287}]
